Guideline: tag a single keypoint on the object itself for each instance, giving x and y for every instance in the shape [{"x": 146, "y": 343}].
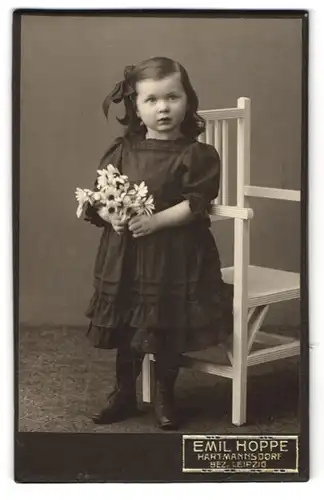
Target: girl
[{"x": 157, "y": 279}]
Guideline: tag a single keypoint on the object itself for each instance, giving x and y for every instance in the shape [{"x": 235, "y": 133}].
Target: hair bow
[{"x": 121, "y": 90}]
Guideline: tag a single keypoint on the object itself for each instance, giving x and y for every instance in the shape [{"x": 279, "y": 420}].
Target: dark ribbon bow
[{"x": 121, "y": 90}]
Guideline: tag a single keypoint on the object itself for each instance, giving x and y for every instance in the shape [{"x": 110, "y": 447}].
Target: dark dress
[{"x": 163, "y": 290}]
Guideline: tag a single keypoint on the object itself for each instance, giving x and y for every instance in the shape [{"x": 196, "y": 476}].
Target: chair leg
[
  {"x": 147, "y": 378},
  {"x": 240, "y": 365},
  {"x": 239, "y": 394}
]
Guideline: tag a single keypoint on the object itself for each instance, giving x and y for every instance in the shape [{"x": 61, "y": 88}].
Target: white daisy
[
  {"x": 112, "y": 208},
  {"x": 83, "y": 196},
  {"x": 124, "y": 199},
  {"x": 98, "y": 196},
  {"x": 111, "y": 170},
  {"x": 102, "y": 179},
  {"x": 109, "y": 193},
  {"x": 145, "y": 207},
  {"x": 149, "y": 205},
  {"x": 140, "y": 190},
  {"x": 80, "y": 210},
  {"x": 120, "y": 182}
]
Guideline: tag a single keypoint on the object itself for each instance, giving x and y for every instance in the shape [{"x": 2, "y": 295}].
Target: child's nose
[{"x": 163, "y": 105}]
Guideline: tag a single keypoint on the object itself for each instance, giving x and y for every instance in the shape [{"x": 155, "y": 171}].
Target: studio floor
[{"x": 62, "y": 381}]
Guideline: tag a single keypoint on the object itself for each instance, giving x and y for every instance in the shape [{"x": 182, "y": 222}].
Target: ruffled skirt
[{"x": 162, "y": 291}]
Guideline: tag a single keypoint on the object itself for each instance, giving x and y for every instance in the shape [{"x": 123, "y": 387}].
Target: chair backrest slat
[
  {"x": 217, "y": 143},
  {"x": 224, "y": 164}
]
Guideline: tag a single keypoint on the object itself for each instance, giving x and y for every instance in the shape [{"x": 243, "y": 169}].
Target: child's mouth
[{"x": 164, "y": 120}]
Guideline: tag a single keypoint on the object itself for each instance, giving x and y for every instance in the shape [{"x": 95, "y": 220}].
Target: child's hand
[
  {"x": 104, "y": 214},
  {"x": 142, "y": 225},
  {"x": 116, "y": 221},
  {"x": 118, "y": 224}
]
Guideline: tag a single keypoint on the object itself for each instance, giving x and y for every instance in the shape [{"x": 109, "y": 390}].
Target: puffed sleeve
[
  {"x": 113, "y": 155},
  {"x": 201, "y": 177}
]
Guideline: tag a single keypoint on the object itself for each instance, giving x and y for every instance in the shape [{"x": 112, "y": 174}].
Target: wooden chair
[{"x": 255, "y": 288}]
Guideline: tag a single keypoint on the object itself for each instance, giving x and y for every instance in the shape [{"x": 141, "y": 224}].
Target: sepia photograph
[{"x": 160, "y": 260}]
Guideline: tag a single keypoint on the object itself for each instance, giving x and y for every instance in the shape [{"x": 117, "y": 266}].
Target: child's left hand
[{"x": 142, "y": 225}]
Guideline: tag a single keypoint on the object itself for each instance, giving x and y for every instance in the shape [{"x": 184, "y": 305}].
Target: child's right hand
[{"x": 117, "y": 222}]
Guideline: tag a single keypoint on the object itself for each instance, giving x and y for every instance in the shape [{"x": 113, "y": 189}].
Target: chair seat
[{"x": 267, "y": 286}]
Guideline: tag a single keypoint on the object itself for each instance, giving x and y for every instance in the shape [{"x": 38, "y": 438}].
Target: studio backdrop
[{"x": 69, "y": 64}]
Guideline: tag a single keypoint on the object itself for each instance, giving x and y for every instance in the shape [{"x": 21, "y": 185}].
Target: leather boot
[
  {"x": 122, "y": 401},
  {"x": 166, "y": 372}
]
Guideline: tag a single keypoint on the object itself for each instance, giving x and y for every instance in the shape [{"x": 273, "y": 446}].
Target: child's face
[{"x": 162, "y": 105}]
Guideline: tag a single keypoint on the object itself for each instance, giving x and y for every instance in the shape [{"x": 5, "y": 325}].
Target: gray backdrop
[{"x": 69, "y": 64}]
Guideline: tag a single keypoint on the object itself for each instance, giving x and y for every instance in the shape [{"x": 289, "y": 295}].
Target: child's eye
[
  {"x": 173, "y": 97},
  {"x": 150, "y": 99}
]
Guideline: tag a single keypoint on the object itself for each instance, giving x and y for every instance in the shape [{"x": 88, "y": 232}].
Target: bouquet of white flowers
[{"x": 116, "y": 194}]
